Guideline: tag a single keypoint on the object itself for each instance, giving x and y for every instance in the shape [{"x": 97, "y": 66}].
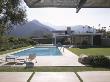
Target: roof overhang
[
  {"x": 87, "y": 34},
  {"x": 78, "y": 4}
]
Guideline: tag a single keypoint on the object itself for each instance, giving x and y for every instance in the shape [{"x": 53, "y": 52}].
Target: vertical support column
[
  {"x": 92, "y": 40},
  {"x": 55, "y": 40},
  {"x": 54, "y": 37},
  {"x": 71, "y": 39}
]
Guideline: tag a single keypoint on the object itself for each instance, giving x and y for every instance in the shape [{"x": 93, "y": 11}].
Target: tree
[{"x": 11, "y": 13}]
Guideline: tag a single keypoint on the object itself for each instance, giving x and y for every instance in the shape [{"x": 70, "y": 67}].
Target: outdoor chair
[
  {"x": 10, "y": 58},
  {"x": 31, "y": 60},
  {"x": 14, "y": 60},
  {"x": 20, "y": 61},
  {"x": 31, "y": 57}
]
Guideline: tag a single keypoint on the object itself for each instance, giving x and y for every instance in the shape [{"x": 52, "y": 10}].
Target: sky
[{"x": 69, "y": 17}]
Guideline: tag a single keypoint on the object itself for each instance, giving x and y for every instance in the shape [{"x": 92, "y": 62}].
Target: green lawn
[
  {"x": 91, "y": 51},
  {"x": 52, "y": 69}
]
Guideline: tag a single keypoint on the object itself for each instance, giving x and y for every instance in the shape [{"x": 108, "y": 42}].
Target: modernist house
[
  {"x": 77, "y": 38},
  {"x": 88, "y": 38}
]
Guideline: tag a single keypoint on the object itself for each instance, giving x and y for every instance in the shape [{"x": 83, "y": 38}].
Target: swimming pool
[{"x": 40, "y": 51}]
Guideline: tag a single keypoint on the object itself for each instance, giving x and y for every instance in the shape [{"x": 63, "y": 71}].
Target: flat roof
[
  {"x": 74, "y": 34},
  {"x": 87, "y": 33},
  {"x": 68, "y": 3},
  {"x": 60, "y": 31},
  {"x": 78, "y": 4}
]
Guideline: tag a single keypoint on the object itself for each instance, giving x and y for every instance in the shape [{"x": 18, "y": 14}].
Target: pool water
[{"x": 52, "y": 51}]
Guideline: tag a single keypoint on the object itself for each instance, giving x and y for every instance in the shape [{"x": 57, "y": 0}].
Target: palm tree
[{"x": 99, "y": 26}]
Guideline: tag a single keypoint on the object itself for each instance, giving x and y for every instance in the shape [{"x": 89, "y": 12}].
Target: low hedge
[
  {"x": 7, "y": 43},
  {"x": 95, "y": 60}
]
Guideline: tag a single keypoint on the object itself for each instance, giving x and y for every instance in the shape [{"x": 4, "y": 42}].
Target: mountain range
[
  {"x": 31, "y": 29},
  {"x": 36, "y": 29}
]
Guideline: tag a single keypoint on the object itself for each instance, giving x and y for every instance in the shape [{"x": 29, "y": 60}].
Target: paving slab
[
  {"x": 14, "y": 76},
  {"x": 55, "y": 77},
  {"x": 95, "y": 76}
]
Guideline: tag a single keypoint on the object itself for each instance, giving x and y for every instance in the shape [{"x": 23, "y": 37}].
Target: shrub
[
  {"x": 99, "y": 61},
  {"x": 7, "y": 43},
  {"x": 95, "y": 61}
]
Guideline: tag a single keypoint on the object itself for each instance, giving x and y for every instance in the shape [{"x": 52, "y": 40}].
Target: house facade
[{"x": 77, "y": 39}]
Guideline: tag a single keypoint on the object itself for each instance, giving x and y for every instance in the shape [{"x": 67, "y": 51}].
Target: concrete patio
[
  {"x": 67, "y": 59},
  {"x": 14, "y": 76},
  {"x": 86, "y": 76},
  {"x": 55, "y": 77},
  {"x": 95, "y": 76}
]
